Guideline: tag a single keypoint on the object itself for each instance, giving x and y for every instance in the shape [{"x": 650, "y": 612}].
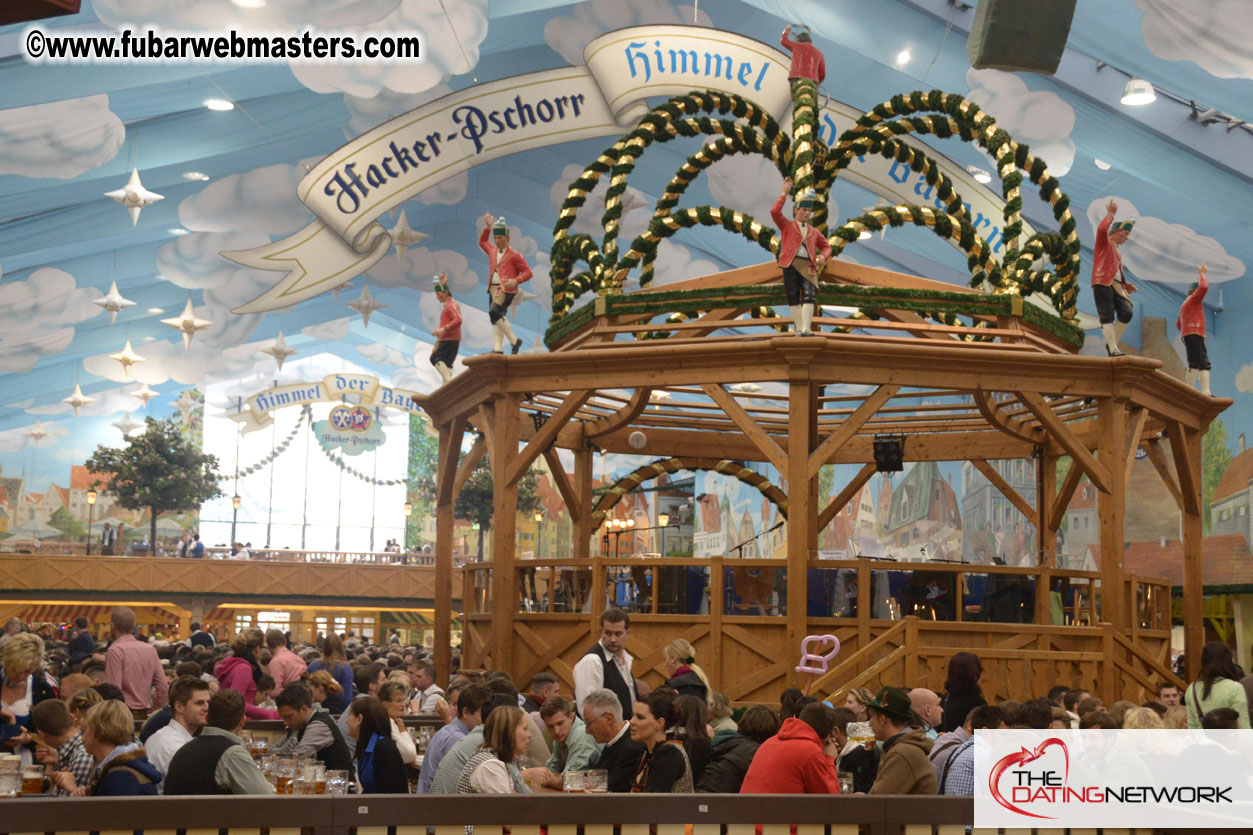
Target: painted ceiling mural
[{"x": 84, "y": 281}]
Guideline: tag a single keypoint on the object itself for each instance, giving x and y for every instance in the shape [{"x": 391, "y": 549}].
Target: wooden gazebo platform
[{"x": 1006, "y": 383}]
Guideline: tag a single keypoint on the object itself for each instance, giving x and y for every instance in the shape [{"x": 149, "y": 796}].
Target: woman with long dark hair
[
  {"x": 380, "y": 770},
  {"x": 335, "y": 661},
  {"x": 664, "y": 768},
  {"x": 1218, "y": 686},
  {"x": 962, "y": 693},
  {"x": 693, "y": 732}
]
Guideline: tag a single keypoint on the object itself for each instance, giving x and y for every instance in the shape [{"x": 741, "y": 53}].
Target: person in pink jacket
[
  {"x": 803, "y": 252},
  {"x": 236, "y": 672},
  {"x": 1191, "y": 323},
  {"x": 1110, "y": 289},
  {"x": 508, "y": 270}
]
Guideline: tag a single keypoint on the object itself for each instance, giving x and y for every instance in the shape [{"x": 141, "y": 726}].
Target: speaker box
[
  {"x": 20, "y": 11},
  {"x": 1014, "y": 35}
]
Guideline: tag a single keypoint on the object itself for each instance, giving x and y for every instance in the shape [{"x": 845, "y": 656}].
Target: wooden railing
[
  {"x": 1033, "y": 627},
  {"x": 491, "y": 814},
  {"x": 170, "y": 578},
  {"x": 79, "y": 549}
]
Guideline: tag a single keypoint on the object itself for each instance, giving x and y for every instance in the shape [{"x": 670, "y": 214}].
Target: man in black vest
[
  {"x": 200, "y": 638},
  {"x": 602, "y": 719},
  {"x": 607, "y": 664},
  {"x": 216, "y": 761},
  {"x": 310, "y": 733}
]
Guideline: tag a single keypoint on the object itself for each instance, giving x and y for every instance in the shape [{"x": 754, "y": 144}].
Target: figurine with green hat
[
  {"x": 803, "y": 253},
  {"x": 448, "y": 334},
  {"x": 904, "y": 766},
  {"x": 807, "y": 61},
  {"x": 1110, "y": 289},
  {"x": 508, "y": 270}
]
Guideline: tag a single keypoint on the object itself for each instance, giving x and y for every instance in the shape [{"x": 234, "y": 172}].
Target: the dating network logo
[{"x": 1027, "y": 785}]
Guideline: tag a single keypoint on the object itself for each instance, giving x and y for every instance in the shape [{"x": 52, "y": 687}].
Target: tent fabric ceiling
[{"x": 68, "y": 134}]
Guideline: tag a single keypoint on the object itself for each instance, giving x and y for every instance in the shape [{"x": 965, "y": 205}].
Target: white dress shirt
[{"x": 589, "y": 674}]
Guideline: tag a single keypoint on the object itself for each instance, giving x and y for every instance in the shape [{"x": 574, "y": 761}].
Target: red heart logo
[{"x": 1019, "y": 758}]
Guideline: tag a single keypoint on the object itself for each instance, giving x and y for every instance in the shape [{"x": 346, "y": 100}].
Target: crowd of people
[{"x": 72, "y": 704}]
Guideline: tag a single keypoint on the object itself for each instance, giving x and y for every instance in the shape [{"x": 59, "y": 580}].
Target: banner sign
[
  {"x": 1107, "y": 778},
  {"x": 352, "y": 187},
  {"x": 359, "y": 389}
]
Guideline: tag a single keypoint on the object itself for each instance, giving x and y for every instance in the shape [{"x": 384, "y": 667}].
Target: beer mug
[
  {"x": 596, "y": 780},
  {"x": 10, "y": 775},
  {"x": 572, "y": 781},
  {"x": 337, "y": 782},
  {"x": 33, "y": 780}
]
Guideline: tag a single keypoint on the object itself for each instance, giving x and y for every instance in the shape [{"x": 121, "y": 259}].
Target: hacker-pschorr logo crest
[{"x": 1094, "y": 778}]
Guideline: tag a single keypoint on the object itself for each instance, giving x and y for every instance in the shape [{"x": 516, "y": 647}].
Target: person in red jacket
[
  {"x": 799, "y": 759},
  {"x": 806, "y": 58},
  {"x": 1110, "y": 289},
  {"x": 508, "y": 270},
  {"x": 803, "y": 253},
  {"x": 448, "y": 333},
  {"x": 1191, "y": 322}
]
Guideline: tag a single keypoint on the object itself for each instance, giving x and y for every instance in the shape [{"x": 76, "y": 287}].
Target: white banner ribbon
[
  {"x": 360, "y": 389},
  {"x": 382, "y": 169}
]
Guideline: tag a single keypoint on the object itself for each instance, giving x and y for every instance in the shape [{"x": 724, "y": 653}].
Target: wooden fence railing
[{"x": 677, "y": 814}]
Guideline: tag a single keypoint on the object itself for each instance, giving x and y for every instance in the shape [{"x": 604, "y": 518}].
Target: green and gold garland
[{"x": 811, "y": 163}]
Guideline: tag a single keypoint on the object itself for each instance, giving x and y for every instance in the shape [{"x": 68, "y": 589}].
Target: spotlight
[
  {"x": 889, "y": 453},
  {"x": 979, "y": 174},
  {"x": 1101, "y": 164},
  {"x": 903, "y": 57},
  {"x": 1138, "y": 92},
  {"x": 219, "y": 104}
]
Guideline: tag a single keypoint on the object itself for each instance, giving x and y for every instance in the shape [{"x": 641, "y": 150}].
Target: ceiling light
[
  {"x": 249, "y": 4},
  {"x": 865, "y": 235},
  {"x": 219, "y": 104},
  {"x": 155, "y": 310},
  {"x": 839, "y": 308},
  {"x": 178, "y": 231},
  {"x": 1101, "y": 164},
  {"x": 903, "y": 57},
  {"x": 979, "y": 174},
  {"x": 195, "y": 175},
  {"x": 1137, "y": 92}
]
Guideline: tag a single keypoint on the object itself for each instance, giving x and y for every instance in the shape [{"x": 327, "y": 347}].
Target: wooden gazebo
[{"x": 1008, "y": 385}]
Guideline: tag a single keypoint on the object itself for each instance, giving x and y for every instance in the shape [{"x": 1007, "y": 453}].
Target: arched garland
[
  {"x": 306, "y": 413},
  {"x": 339, "y": 461},
  {"x": 648, "y": 472},
  {"x": 809, "y": 160}
]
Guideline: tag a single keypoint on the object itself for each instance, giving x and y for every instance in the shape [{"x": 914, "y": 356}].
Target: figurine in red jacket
[
  {"x": 1191, "y": 323},
  {"x": 448, "y": 334},
  {"x": 1110, "y": 289},
  {"x": 806, "y": 58},
  {"x": 803, "y": 253},
  {"x": 508, "y": 270}
]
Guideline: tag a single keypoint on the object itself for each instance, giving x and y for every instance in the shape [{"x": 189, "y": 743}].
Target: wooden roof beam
[
  {"x": 1057, "y": 428},
  {"x": 767, "y": 445}
]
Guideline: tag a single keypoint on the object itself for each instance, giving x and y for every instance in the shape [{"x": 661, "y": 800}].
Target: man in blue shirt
[
  {"x": 470, "y": 699},
  {"x": 197, "y": 548}
]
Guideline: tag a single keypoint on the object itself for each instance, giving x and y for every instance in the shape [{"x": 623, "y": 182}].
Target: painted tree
[
  {"x": 1215, "y": 456},
  {"x": 160, "y": 470},
  {"x": 423, "y": 461},
  {"x": 474, "y": 504},
  {"x": 66, "y": 524}
]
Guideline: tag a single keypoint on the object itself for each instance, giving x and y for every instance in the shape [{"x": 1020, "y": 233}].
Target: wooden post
[
  {"x": 503, "y": 449},
  {"x": 1111, "y": 508},
  {"x": 583, "y": 531},
  {"x": 1193, "y": 619},
  {"x": 450, "y": 435},
  {"x": 801, "y": 516},
  {"x": 1046, "y": 535},
  {"x": 716, "y": 600}
]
